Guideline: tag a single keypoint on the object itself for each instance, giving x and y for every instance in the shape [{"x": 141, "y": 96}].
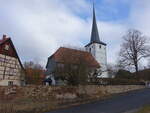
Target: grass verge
[{"x": 145, "y": 109}]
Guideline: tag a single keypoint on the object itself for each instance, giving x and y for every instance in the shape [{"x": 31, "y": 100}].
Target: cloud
[
  {"x": 139, "y": 19},
  {"x": 112, "y": 33},
  {"x": 38, "y": 27},
  {"x": 140, "y": 16},
  {"x": 37, "y": 30}
]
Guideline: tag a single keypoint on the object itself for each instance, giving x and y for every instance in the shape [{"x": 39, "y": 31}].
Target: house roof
[
  {"x": 74, "y": 56},
  {"x": 4, "y": 40}
]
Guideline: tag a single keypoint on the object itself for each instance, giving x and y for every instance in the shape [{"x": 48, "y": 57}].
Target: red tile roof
[{"x": 74, "y": 56}]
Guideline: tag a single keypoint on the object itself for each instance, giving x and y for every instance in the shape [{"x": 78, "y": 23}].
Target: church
[
  {"x": 94, "y": 53},
  {"x": 97, "y": 48}
]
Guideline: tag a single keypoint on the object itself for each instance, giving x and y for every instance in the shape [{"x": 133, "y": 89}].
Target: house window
[
  {"x": 11, "y": 72},
  {"x": 10, "y": 83},
  {"x": 7, "y": 47}
]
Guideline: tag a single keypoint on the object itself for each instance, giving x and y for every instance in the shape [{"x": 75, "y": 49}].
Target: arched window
[{"x": 90, "y": 49}]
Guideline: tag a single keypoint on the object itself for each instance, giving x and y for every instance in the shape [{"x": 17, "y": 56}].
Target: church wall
[
  {"x": 99, "y": 53},
  {"x": 50, "y": 66},
  {"x": 91, "y": 49}
]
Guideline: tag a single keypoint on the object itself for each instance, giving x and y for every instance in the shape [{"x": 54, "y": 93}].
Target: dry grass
[
  {"x": 35, "y": 104},
  {"x": 145, "y": 109},
  {"x": 40, "y": 99},
  {"x": 22, "y": 103},
  {"x": 27, "y": 108}
]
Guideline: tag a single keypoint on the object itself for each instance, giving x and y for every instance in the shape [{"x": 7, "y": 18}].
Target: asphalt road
[{"x": 118, "y": 104}]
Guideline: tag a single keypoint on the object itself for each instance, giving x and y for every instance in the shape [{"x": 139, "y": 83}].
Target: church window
[
  {"x": 90, "y": 49},
  {"x": 99, "y": 46}
]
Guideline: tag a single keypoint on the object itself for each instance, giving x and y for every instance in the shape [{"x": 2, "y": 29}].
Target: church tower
[{"x": 97, "y": 48}]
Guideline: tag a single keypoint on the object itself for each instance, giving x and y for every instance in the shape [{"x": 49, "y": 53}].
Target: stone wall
[
  {"x": 41, "y": 99},
  {"x": 44, "y": 93}
]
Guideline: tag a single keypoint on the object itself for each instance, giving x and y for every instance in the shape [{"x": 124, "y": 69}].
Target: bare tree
[
  {"x": 134, "y": 48},
  {"x": 112, "y": 70},
  {"x": 148, "y": 63},
  {"x": 34, "y": 72},
  {"x": 74, "y": 69}
]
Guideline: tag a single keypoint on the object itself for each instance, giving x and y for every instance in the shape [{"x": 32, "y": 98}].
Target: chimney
[{"x": 4, "y": 37}]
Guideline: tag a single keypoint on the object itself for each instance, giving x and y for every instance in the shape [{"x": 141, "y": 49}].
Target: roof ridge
[
  {"x": 72, "y": 54},
  {"x": 75, "y": 49}
]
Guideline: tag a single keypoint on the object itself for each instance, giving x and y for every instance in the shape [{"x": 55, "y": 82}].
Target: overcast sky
[{"x": 39, "y": 27}]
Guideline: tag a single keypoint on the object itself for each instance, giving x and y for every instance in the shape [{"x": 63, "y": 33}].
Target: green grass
[{"x": 145, "y": 109}]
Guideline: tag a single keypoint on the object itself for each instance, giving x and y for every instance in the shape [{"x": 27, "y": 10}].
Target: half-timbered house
[{"x": 11, "y": 68}]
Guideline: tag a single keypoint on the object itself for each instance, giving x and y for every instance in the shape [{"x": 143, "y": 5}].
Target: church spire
[{"x": 94, "y": 35}]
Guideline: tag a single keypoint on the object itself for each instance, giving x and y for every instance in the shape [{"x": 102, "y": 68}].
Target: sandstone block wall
[{"x": 64, "y": 92}]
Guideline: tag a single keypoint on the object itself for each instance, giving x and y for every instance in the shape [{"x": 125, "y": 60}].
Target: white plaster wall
[
  {"x": 5, "y": 82},
  {"x": 12, "y": 71},
  {"x": 99, "y": 53},
  {"x": 52, "y": 78},
  {"x": 92, "y": 46}
]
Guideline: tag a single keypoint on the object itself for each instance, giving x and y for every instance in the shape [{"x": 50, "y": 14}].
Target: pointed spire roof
[{"x": 94, "y": 34}]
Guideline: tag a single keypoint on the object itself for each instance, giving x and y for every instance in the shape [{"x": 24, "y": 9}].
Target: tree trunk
[{"x": 136, "y": 68}]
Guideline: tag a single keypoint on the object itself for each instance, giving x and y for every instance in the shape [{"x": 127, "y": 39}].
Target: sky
[{"x": 39, "y": 27}]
